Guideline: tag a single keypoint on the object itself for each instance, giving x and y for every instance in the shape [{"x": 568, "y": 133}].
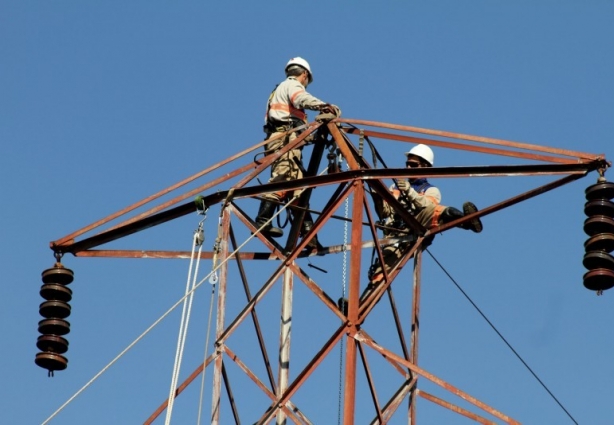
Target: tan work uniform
[
  {"x": 286, "y": 108},
  {"x": 426, "y": 209}
]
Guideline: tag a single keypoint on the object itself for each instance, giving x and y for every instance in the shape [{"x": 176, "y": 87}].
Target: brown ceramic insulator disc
[
  {"x": 54, "y": 326},
  {"x": 52, "y": 343},
  {"x": 55, "y": 309},
  {"x": 55, "y": 291},
  {"x": 600, "y": 242},
  {"x": 58, "y": 274},
  {"x": 51, "y": 361},
  {"x": 599, "y": 279},
  {"x": 599, "y": 207},
  {"x": 603, "y": 190},
  {"x": 598, "y": 224},
  {"x": 598, "y": 260}
]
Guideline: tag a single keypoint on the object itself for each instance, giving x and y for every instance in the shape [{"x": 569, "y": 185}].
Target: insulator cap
[
  {"x": 600, "y": 242},
  {"x": 58, "y": 274},
  {"x": 55, "y": 291},
  {"x": 598, "y": 224},
  {"x": 599, "y": 279},
  {"x": 54, "y": 309},
  {"x": 598, "y": 260},
  {"x": 54, "y": 326},
  {"x": 599, "y": 207},
  {"x": 52, "y": 343},
  {"x": 600, "y": 191},
  {"x": 51, "y": 361}
]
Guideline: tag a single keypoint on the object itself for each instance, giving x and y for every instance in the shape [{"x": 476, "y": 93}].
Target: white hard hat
[
  {"x": 424, "y": 152},
  {"x": 302, "y": 63}
]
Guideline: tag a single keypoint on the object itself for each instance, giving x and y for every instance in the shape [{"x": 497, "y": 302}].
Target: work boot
[
  {"x": 313, "y": 244},
  {"x": 265, "y": 212},
  {"x": 451, "y": 213},
  {"x": 474, "y": 225}
]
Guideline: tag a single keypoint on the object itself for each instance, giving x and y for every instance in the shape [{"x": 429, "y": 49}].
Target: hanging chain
[{"x": 344, "y": 280}]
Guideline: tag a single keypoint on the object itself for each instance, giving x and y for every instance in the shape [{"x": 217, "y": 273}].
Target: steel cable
[{"x": 501, "y": 336}]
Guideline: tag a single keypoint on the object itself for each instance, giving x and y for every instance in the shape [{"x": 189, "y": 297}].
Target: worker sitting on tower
[
  {"x": 423, "y": 201},
  {"x": 286, "y": 110}
]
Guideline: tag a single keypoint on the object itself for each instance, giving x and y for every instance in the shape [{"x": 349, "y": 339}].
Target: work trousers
[
  {"x": 285, "y": 168},
  {"x": 393, "y": 253}
]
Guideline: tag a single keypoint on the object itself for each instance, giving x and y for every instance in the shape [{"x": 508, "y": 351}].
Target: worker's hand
[
  {"x": 403, "y": 185},
  {"x": 327, "y": 108}
]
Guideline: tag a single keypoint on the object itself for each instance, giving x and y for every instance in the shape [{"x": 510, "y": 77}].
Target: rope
[
  {"x": 213, "y": 281},
  {"x": 167, "y": 312},
  {"x": 185, "y": 322},
  {"x": 501, "y": 336},
  {"x": 202, "y": 382}
]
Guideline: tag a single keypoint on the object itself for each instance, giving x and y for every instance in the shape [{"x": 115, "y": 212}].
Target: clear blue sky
[{"x": 104, "y": 103}]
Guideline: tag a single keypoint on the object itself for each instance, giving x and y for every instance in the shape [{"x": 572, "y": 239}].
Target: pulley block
[
  {"x": 54, "y": 291},
  {"x": 603, "y": 190},
  {"x": 598, "y": 260},
  {"x": 54, "y": 309},
  {"x": 58, "y": 274},
  {"x": 54, "y": 326},
  {"x": 52, "y": 343},
  {"x": 600, "y": 242},
  {"x": 598, "y": 224},
  {"x": 599, "y": 279},
  {"x": 51, "y": 361},
  {"x": 599, "y": 207}
]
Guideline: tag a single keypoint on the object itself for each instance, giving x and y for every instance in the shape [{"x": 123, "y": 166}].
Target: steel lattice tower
[{"x": 233, "y": 186}]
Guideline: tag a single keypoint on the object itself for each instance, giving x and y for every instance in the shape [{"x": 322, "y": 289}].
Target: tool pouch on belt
[{"x": 272, "y": 127}]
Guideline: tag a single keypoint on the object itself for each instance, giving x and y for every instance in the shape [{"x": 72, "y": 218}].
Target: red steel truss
[{"x": 232, "y": 184}]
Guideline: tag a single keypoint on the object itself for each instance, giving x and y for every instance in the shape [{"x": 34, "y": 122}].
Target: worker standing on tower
[
  {"x": 423, "y": 201},
  {"x": 286, "y": 110}
]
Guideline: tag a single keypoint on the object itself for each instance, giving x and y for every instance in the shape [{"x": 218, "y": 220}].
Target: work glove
[
  {"x": 403, "y": 185},
  {"x": 406, "y": 188},
  {"x": 328, "y": 108}
]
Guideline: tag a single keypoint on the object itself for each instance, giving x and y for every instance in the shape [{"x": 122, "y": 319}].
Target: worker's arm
[
  {"x": 431, "y": 197},
  {"x": 419, "y": 201},
  {"x": 301, "y": 99}
]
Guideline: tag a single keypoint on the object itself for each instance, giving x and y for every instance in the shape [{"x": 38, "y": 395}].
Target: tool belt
[{"x": 274, "y": 126}]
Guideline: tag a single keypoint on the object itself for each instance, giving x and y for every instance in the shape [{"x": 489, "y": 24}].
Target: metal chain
[{"x": 344, "y": 280}]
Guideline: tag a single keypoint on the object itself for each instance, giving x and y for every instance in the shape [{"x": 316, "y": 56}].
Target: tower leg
[
  {"x": 221, "y": 313},
  {"x": 284, "y": 338}
]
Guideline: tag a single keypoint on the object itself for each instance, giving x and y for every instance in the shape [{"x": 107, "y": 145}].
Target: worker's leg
[{"x": 450, "y": 213}]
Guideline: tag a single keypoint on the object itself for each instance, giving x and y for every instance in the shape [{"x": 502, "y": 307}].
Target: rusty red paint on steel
[
  {"x": 360, "y": 336},
  {"x": 221, "y": 313},
  {"x": 304, "y": 374},
  {"x": 233, "y": 356},
  {"x": 372, "y": 389},
  {"x": 179, "y": 390},
  {"x": 158, "y": 194},
  {"x": 353, "y": 305},
  {"x": 219, "y": 196},
  {"x": 248, "y": 295},
  {"x": 461, "y": 136},
  {"x": 509, "y": 202},
  {"x": 459, "y": 146},
  {"x": 454, "y": 408},
  {"x": 397, "y": 398},
  {"x": 415, "y": 323}
]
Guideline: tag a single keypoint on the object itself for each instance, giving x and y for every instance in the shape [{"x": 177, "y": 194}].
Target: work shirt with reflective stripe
[
  {"x": 419, "y": 201},
  {"x": 289, "y": 101}
]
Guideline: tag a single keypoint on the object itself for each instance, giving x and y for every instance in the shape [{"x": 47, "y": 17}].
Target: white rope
[
  {"x": 202, "y": 382},
  {"x": 183, "y": 326},
  {"x": 167, "y": 312}
]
